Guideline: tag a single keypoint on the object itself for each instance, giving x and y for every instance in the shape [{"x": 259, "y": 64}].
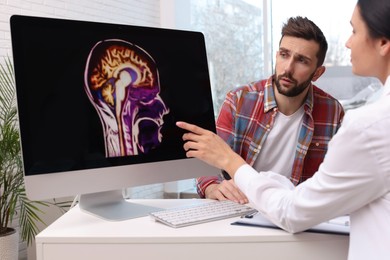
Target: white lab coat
[{"x": 353, "y": 179}]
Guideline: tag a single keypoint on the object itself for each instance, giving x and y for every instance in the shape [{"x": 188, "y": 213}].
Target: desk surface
[{"x": 79, "y": 235}]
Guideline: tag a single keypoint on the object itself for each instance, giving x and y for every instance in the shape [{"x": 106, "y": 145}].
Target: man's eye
[{"x": 282, "y": 54}]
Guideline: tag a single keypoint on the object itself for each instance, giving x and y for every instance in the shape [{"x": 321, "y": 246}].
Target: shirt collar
[
  {"x": 269, "y": 96},
  {"x": 386, "y": 90},
  {"x": 270, "y": 101}
]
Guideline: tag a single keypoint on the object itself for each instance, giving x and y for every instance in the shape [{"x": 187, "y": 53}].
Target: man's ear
[{"x": 319, "y": 71}]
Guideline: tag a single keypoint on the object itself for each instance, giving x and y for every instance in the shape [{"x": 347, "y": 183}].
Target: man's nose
[{"x": 289, "y": 65}]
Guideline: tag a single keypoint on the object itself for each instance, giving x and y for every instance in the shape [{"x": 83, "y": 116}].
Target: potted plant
[{"x": 13, "y": 198}]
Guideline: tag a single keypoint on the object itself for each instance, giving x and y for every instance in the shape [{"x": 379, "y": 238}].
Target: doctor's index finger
[{"x": 190, "y": 127}]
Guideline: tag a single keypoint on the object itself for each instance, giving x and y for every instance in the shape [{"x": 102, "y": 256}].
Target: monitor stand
[{"x": 110, "y": 205}]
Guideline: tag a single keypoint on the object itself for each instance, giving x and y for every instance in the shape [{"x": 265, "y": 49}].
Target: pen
[{"x": 250, "y": 215}]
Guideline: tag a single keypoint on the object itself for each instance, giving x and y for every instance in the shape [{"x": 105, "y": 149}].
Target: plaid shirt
[{"x": 247, "y": 115}]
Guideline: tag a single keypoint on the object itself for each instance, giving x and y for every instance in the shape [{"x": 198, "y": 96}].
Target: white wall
[
  {"x": 136, "y": 12},
  {"x": 133, "y": 12}
]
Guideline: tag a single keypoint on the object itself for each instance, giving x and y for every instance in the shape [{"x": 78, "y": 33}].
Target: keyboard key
[{"x": 201, "y": 213}]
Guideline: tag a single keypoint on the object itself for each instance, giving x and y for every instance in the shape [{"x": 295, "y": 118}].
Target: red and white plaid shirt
[{"x": 247, "y": 115}]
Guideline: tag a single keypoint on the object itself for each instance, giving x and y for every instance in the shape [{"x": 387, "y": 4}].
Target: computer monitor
[{"x": 97, "y": 106}]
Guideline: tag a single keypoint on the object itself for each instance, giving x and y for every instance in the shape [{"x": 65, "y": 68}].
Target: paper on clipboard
[{"x": 339, "y": 225}]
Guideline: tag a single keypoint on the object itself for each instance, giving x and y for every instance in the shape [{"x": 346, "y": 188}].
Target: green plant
[{"x": 13, "y": 199}]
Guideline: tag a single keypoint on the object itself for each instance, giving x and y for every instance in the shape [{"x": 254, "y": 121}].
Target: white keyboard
[{"x": 201, "y": 213}]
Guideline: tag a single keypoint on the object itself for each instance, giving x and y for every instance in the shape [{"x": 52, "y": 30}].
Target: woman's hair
[
  {"x": 301, "y": 27},
  {"x": 376, "y": 15}
]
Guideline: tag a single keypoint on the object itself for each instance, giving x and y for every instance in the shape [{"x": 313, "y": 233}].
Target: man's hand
[{"x": 226, "y": 190}]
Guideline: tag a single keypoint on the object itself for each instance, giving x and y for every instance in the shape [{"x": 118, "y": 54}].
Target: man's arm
[{"x": 203, "y": 182}]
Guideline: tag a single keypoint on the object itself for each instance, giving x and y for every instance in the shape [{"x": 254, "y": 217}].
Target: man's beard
[{"x": 295, "y": 90}]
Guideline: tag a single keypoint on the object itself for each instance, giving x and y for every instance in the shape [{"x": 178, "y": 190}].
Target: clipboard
[{"x": 339, "y": 225}]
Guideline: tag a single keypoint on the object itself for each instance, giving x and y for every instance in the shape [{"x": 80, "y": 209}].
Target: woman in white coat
[{"x": 354, "y": 177}]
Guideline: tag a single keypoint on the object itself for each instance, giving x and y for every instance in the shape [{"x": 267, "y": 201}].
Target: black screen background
[{"x": 60, "y": 129}]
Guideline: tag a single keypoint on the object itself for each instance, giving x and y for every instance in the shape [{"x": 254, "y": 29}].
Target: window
[
  {"x": 242, "y": 37},
  {"x": 234, "y": 33}
]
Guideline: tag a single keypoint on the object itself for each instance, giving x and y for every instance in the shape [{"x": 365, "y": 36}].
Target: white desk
[{"x": 78, "y": 235}]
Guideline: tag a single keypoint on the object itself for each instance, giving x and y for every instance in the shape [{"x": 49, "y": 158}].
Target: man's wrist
[{"x": 209, "y": 190}]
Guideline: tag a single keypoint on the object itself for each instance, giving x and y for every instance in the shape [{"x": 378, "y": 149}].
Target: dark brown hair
[
  {"x": 376, "y": 15},
  {"x": 301, "y": 27}
]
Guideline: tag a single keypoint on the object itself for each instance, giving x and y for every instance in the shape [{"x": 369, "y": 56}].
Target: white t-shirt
[
  {"x": 354, "y": 179},
  {"x": 278, "y": 151}
]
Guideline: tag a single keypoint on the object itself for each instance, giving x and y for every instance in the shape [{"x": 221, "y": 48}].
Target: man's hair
[{"x": 301, "y": 27}]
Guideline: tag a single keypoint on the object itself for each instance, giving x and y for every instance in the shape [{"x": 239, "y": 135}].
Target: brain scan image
[{"x": 122, "y": 83}]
